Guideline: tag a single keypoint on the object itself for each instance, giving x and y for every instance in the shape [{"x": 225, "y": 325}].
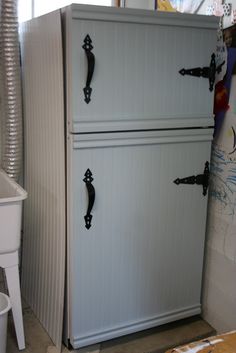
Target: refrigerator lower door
[{"x": 139, "y": 262}]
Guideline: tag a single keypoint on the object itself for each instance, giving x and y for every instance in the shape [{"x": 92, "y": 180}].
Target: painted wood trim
[
  {"x": 105, "y": 13},
  {"x": 67, "y": 45},
  {"x": 140, "y": 138},
  {"x": 95, "y": 337},
  {"x": 144, "y": 124}
]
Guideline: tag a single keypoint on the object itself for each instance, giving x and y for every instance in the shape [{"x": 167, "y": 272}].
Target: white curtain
[{"x": 190, "y": 6}]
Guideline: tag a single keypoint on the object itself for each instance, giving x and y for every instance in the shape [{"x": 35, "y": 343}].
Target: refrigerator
[{"x": 118, "y": 129}]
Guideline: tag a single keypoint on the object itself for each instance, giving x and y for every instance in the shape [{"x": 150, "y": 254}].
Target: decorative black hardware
[
  {"x": 206, "y": 72},
  {"x": 91, "y": 197},
  {"x": 201, "y": 179},
  {"x": 91, "y": 63}
]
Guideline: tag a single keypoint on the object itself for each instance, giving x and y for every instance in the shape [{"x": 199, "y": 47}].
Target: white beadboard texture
[
  {"x": 138, "y": 67},
  {"x": 140, "y": 263},
  {"x": 43, "y": 263}
]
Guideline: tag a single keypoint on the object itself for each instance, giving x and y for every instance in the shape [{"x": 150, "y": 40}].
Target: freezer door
[
  {"x": 138, "y": 263},
  {"x": 132, "y": 70}
]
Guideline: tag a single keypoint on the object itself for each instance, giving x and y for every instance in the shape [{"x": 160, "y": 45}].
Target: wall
[
  {"x": 200, "y": 5},
  {"x": 219, "y": 291},
  {"x": 139, "y": 4}
]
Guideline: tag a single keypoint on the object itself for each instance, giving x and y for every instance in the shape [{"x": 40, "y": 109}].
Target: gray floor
[{"x": 150, "y": 341}]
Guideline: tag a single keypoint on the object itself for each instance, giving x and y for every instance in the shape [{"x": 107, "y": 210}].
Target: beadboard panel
[
  {"x": 43, "y": 261},
  {"x": 140, "y": 263},
  {"x": 136, "y": 77}
]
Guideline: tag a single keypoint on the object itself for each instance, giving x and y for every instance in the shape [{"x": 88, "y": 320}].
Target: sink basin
[{"x": 11, "y": 197}]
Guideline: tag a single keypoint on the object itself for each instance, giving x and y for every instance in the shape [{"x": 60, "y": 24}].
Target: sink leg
[{"x": 13, "y": 283}]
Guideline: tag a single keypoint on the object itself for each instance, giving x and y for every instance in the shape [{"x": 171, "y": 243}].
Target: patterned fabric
[
  {"x": 233, "y": 17},
  {"x": 227, "y": 8}
]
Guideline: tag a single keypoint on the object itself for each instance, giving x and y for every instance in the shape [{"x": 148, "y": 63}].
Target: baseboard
[{"x": 100, "y": 336}]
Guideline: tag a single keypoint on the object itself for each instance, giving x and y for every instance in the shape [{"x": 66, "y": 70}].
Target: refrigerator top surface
[{"x": 141, "y": 16}]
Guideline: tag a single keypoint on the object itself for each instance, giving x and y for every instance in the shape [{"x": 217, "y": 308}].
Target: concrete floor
[{"x": 156, "y": 340}]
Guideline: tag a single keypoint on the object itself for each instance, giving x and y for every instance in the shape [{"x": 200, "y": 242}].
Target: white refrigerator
[{"x": 117, "y": 145}]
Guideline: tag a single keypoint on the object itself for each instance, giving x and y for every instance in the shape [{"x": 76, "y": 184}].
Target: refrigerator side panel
[{"x": 43, "y": 261}]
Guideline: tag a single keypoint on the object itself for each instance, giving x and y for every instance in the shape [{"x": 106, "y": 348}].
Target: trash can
[{"x": 5, "y": 306}]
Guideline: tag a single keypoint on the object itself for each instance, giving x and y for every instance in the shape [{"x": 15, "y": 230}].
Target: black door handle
[
  {"x": 91, "y": 64},
  {"x": 91, "y": 197}
]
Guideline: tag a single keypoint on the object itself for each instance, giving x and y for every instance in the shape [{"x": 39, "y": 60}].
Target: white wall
[
  {"x": 140, "y": 4},
  {"x": 219, "y": 291}
]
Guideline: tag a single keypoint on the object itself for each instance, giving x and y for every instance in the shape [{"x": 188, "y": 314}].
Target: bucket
[
  {"x": 5, "y": 306},
  {"x": 11, "y": 198}
]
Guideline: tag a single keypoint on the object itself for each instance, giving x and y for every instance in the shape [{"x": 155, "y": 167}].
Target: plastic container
[
  {"x": 5, "y": 306},
  {"x": 11, "y": 197}
]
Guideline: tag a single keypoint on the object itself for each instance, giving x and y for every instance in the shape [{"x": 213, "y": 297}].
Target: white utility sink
[{"x": 11, "y": 197}]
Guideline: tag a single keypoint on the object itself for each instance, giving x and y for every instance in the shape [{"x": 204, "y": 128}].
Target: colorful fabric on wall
[
  {"x": 223, "y": 88},
  {"x": 165, "y": 5}
]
